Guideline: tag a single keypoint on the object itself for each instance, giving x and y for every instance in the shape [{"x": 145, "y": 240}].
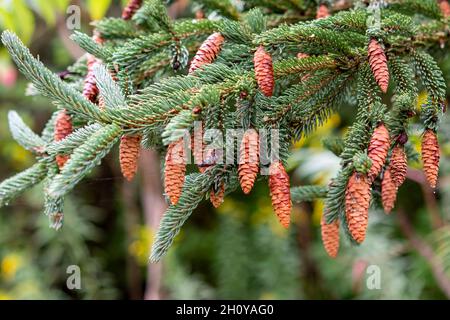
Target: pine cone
[
  {"x": 130, "y": 147},
  {"x": 264, "y": 71},
  {"x": 249, "y": 160},
  {"x": 430, "y": 156},
  {"x": 207, "y": 52},
  {"x": 63, "y": 127},
  {"x": 280, "y": 192},
  {"x": 130, "y": 9},
  {"x": 378, "y": 64},
  {"x": 217, "y": 198},
  {"x": 90, "y": 90},
  {"x": 378, "y": 150},
  {"x": 445, "y": 8},
  {"x": 322, "y": 11},
  {"x": 388, "y": 191},
  {"x": 398, "y": 165},
  {"x": 357, "y": 201},
  {"x": 175, "y": 171},
  {"x": 330, "y": 236}
]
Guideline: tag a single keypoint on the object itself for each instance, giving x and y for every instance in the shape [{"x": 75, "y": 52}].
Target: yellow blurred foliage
[
  {"x": 9, "y": 266},
  {"x": 140, "y": 246}
]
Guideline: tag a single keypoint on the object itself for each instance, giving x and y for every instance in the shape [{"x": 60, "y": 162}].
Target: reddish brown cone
[
  {"x": 207, "y": 52},
  {"x": 330, "y": 236},
  {"x": 130, "y": 147},
  {"x": 430, "y": 156},
  {"x": 264, "y": 71},
  {"x": 249, "y": 160},
  {"x": 175, "y": 171},
  {"x": 398, "y": 165},
  {"x": 357, "y": 201},
  {"x": 322, "y": 11},
  {"x": 445, "y": 8},
  {"x": 90, "y": 90},
  {"x": 388, "y": 191},
  {"x": 378, "y": 64},
  {"x": 63, "y": 127},
  {"x": 280, "y": 192},
  {"x": 217, "y": 198},
  {"x": 130, "y": 9},
  {"x": 378, "y": 150}
]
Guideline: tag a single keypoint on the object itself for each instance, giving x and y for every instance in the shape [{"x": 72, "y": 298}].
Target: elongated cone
[
  {"x": 388, "y": 191},
  {"x": 249, "y": 160},
  {"x": 378, "y": 150},
  {"x": 217, "y": 198},
  {"x": 207, "y": 52},
  {"x": 398, "y": 165},
  {"x": 90, "y": 90},
  {"x": 129, "y": 149},
  {"x": 357, "y": 201},
  {"x": 430, "y": 156},
  {"x": 130, "y": 9},
  {"x": 330, "y": 236},
  {"x": 264, "y": 71},
  {"x": 280, "y": 192},
  {"x": 445, "y": 8},
  {"x": 322, "y": 11},
  {"x": 175, "y": 171},
  {"x": 378, "y": 64},
  {"x": 63, "y": 127}
]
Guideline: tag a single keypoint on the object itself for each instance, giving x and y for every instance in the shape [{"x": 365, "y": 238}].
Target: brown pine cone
[
  {"x": 388, "y": 191},
  {"x": 249, "y": 160},
  {"x": 445, "y": 8},
  {"x": 264, "y": 71},
  {"x": 207, "y": 52},
  {"x": 174, "y": 171},
  {"x": 430, "y": 156},
  {"x": 217, "y": 198},
  {"x": 322, "y": 11},
  {"x": 378, "y": 64},
  {"x": 129, "y": 149},
  {"x": 63, "y": 127},
  {"x": 330, "y": 236},
  {"x": 378, "y": 150},
  {"x": 130, "y": 9},
  {"x": 280, "y": 192},
  {"x": 398, "y": 165},
  {"x": 357, "y": 201},
  {"x": 90, "y": 90}
]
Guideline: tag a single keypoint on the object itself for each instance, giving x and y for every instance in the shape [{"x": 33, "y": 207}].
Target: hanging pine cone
[
  {"x": 90, "y": 90},
  {"x": 175, "y": 171},
  {"x": 249, "y": 160},
  {"x": 330, "y": 236},
  {"x": 445, "y": 8},
  {"x": 264, "y": 71},
  {"x": 378, "y": 150},
  {"x": 322, "y": 11},
  {"x": 130, "y": 9},
  {"x": 63, "y": 127},
  {"x": 357, "y": 201},
  {"x": 280, "y": 192},
  {"x": 217, "y": 198},
  {"x": 129, "y": 149},
  {"x": 378, "y": 64},
  {"x": 430, "y": 156},
  {"x": 388, "y": 191},
  {"x": 207, "y": 52},
  {"x": 398, "y": 165}
]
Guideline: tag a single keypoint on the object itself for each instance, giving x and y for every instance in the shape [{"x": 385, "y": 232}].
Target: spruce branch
[
  {"x": 16, "y": 185},
  {"x": 47, "y": 83},
  {"x": 308, "y": 193},
  {"x": 84, "y": 159},
  {"x": 116, "y": 28},
  {"x": 23, "y": 134},
  {"x": 87, "y": 43},
  {"x": 110, "y": 91}
]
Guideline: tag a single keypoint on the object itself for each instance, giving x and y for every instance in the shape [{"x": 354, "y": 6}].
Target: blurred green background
[{"x": 236, "y": 252}]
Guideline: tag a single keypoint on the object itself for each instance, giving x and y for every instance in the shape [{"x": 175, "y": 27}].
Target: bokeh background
[{"x": 238, "y": 251}]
